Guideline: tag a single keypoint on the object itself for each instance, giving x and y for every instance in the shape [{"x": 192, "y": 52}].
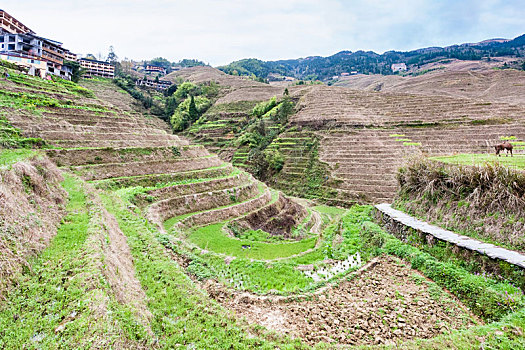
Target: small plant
[{"x": 176, "y": 152}]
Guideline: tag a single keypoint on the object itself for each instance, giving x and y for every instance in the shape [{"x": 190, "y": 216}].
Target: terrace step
[
  {"x": 115, "y": 170},
  {"x": 30, "y": 127},
  {"x": 72, "y": 157},
  {"x": 155, "y": 179},
  {"x": 176, "y": 206},
  {"x": 198, "y": 187},
  {"x": 218, "y": 215},
  {"x": 94, "y": 137},
  {"x": 117, "y": 143}
]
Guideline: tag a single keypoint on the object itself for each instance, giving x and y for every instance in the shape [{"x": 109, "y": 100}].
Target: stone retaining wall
[{"x": 490, "y": 258}]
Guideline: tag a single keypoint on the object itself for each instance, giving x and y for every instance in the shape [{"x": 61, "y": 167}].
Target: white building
[{"x": 398, "y": 67}]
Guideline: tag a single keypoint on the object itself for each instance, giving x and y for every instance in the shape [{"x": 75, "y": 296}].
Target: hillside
[
  {"x": 324, "y": 68},
  {"x": 344, "y": 145},
  {"x": 117, "y": 233},
  {"x": 464, "y": 79}
]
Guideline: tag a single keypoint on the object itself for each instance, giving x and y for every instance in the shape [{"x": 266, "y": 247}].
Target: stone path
[{"x": 490, "y": 250}]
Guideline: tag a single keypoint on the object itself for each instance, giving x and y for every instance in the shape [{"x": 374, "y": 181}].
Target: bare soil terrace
[{"x": 386, "y": 304}]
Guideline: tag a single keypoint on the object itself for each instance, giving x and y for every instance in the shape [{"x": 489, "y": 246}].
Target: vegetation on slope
[
  {"x": 482, "y": 201},
  {"x": 182, "y": 314},
  {"x": 63, "y": 300},
  {"x": 516, "y": 162}
]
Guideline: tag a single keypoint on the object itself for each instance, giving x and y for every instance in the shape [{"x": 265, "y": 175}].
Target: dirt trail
[{"x": 383, "y": 305}]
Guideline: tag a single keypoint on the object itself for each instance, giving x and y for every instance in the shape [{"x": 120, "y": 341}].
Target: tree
[
  {"x": 112, "y": 56},
  {"x": 160, "y": 62},
  {"x": 170, "y": 106},
  {"x": 192, "y": 110},
  {"x": 77, "y": 70},
  {"x": 169, "y": 91},
  {"x": 185, "y": 89},
  {"x": 190, "y": 63},
  {"x": 285, "y": 110},
  {"x": 126, "y": 66},
  {"x": 90, "y": 56}
]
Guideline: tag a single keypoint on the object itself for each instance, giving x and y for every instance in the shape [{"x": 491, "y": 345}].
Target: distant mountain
[{"x": 369, "y": 62}]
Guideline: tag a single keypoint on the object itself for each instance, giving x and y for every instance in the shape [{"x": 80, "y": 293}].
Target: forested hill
[{"x": 369, "y": 62}]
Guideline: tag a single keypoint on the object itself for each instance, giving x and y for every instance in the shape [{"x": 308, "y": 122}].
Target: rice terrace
[{"x": 358, "y": 200}]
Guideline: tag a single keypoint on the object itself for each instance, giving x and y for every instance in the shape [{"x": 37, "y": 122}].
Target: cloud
[{"x": 221, "y": 31}]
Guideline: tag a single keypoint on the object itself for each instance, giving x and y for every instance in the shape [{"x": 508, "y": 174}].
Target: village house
[
  {"x": 155, "y": 69},
  {"x": 70, "y": 56},
  {"x": 96, "y": 68},
  {"x": 398, "y": 67},
  {"x": 18, "y": 43},
  {"x": 159, "y": 85}
]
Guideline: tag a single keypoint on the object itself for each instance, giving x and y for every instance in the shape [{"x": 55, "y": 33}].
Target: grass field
[
  {"x": 213, "y": 238},
  {"x": 517, "y": 161},
  {"x": 11, "y": 156}
]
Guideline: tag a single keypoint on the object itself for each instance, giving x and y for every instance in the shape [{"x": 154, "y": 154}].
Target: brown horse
[{"x": 504, "y": 146}]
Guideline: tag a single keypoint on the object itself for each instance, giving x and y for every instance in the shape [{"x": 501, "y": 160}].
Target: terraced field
[
  {"x": 166, "y": 245},
  {"x": 466, "y": 79},
  {"x": 364, "y": 136}
]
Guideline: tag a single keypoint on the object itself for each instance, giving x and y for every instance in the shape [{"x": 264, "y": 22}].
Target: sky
[{"x": 221, "y": 31}]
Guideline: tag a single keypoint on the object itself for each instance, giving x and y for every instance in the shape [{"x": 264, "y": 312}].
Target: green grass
[
  {"x": 10, "y": 156},
  {"x": 506, "y": 334},
  {"x": 33, "y": 102},
  {"x": 332, "y": 211},
  {"x": 212, "y": 238},
  {"x": 63, "y": 289},
  {"x": 11, "y": 137},
  {"x": 517, "y": 161},
  {"x": 183, "y": 316}
]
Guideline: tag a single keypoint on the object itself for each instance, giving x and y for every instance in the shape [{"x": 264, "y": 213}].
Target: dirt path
[{"x": 384, "y": 305}]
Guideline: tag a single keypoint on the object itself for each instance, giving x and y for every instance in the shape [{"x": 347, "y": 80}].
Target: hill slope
[
  {"x": 165, "y": 245},
  {"x": 343, "y": 145}
]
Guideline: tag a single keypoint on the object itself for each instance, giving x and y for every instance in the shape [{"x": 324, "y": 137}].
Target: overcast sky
[{"x": 221, "y": 31}]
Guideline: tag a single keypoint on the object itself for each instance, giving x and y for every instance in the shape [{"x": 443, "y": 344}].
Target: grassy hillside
[
  {"x": 161, "y": 244},
  {"x": 481, "y": 200}
]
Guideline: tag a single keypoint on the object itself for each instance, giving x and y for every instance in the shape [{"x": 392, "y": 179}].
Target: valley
[{"x": 254, "y": 227}]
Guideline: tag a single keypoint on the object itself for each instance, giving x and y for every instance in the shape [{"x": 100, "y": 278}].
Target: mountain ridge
[{"x": 370, "y": 62}]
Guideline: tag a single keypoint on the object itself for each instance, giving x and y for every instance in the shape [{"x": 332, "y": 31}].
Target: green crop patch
[
  {"x": 182, "y": 314},
  {"x": 212, "y": 237},
  {"x": 54, "y": 304},
  {"x": 517, "y": 161}
]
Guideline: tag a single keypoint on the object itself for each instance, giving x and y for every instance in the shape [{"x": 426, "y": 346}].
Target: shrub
[
  {"x": 186, "y": 89},
  {"x": 263, "y": 107},
  {"x": 179, "y": 120},
  {"x": 274, "y": 158}
]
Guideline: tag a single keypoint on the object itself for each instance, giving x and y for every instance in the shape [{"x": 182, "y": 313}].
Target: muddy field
[{"x": 385, "y": 304}]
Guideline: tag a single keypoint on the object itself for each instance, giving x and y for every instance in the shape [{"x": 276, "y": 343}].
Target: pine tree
[{"x": 192, "y": 110}]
